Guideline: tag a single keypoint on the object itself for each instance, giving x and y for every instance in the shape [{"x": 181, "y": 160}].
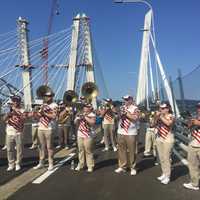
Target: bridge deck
[{"x": 102, "y": 184}]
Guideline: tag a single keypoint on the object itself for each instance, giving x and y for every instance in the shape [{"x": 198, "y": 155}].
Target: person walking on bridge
[
  {"x": 164, "y": 140},
  {"x": 127, "y": 132},
  {"x": 194, "y": 153}
]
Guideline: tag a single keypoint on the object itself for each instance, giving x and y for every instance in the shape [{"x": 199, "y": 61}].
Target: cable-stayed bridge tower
[
  {"x": 81, "y": 28},
  {"x": 25, "y": 63}
]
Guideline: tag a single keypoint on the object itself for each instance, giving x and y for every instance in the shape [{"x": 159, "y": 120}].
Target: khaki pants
[
  {"x": 109, "y": 135},
  {"x": 127, "y": 151},
  {"x": 150, "y": 141},
  {"x": 63, "y": 132},
  {"x": 164, "y": 149},
  {"x": 194, "y": 164},
  {"x": 45, "y": 141},
  {"x": 85, "y": 152},
  {"x": 34, "y": 135},
  {"x": 11, "y": 141}
]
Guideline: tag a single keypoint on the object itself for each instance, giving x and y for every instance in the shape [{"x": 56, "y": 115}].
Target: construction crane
[{"x": 44, "y": 51}]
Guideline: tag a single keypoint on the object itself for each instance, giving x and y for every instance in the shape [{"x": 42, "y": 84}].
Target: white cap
[
  {"x": 108, "y": 100},
  {"x": 91, "y": 115},
  {"x": 127, "y": 97}
]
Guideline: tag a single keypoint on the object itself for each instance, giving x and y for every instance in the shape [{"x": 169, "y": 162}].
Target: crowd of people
[{"x": 120, "y": 127}]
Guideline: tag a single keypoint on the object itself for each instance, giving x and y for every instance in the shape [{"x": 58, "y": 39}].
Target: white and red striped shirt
[
  {"x": 163, "y": 130},
  {"x": 45, "y": 122},
  {"x": 109, "y": 117},
  {"x": 15, "y": 122},
  {"x": 196, "y": 136},
  {"x": 126, "y": 126},
  {"x": 84, "y": 129}
]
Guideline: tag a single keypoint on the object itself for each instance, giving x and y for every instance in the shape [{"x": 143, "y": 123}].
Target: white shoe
[
  {"x": 17, "y": 167},
  {"x": 102, "y": 141},
  {"x": 160, "y": 178},
  {"x": 90, "y": 170},
  {"x": 33, "y": 147},
  {"x": 4, "y": 148},
  {"x": 105, "y": 149},
  {"x": 114, "y": 149},
  {"x": 66, "y": 147},
  {"x": 120, "y": 170},
  {"x": 10, "y": 168},
  {"x": 147, "y": 154},
  {"x": 190, "y": 186},
  {"x": 78, "y": 168},
  {"x": 165, "y": 181},
  {"x": 58, "y": 146},
  {"x": 39, "y": 166},
  {"x": 133, "y": 172},
  {"x": 50, "y": 168},
  {"x": 156, "y": 163}
]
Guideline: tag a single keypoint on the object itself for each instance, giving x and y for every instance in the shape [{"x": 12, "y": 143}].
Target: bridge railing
[{"x": 182, "y": 134}]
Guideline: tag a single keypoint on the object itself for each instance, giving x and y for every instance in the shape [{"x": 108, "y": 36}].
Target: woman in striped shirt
[{"x": 165, "y": 140}]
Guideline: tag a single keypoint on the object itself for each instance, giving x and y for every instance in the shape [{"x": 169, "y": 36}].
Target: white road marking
[
  {"x": 183, "y": 160},
  {"x": 48, "y": 173}
]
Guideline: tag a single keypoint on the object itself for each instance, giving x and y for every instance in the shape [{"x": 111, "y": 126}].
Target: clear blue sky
[{"x": 116, "y": 35}]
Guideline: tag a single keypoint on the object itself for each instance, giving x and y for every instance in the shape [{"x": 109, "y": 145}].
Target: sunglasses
[{"x": 163, "y": 108}]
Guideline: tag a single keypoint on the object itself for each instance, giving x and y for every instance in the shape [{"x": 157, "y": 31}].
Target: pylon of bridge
[
  {"x": 81, "y": 20},
  {"x": 25, "y": 62}
]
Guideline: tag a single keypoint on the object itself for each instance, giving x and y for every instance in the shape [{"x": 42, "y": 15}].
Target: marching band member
[
  {"x": 47, "y": 114},
  {"x": 165, "y": 140},
  {"x": 34, "y": 128},
  {"x": 9, "y": 104},
  {"x": 194, "y": 153},
  {"x": 150, "y": 136},
  {"x": 64, "y": 124},
  {"x": 14, "y": 128},
  {"x": 127, "y": 132},
  {"x": 109, "y": 125},
  {"x": 85, "y": 133}
]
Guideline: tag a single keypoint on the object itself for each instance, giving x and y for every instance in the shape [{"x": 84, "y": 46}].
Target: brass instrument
[
  {"x": 70, "y": 97},
  {"x": 89, "y": 90},
  {"x": 68, "y": 112}
]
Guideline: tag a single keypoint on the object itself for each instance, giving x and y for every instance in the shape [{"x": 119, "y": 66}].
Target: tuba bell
[
  {"x": 70, "y": 97},
  {"x": 89, "y": 90}
]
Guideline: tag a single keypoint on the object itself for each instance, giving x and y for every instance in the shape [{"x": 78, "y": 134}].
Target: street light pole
[{"x": 153, "y": 29}]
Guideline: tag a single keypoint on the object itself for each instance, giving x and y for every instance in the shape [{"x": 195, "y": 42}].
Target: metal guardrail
[{"x": 182, "y": 134}]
